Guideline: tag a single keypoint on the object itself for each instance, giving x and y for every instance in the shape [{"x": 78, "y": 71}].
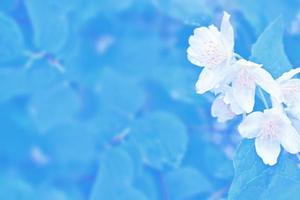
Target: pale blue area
[{"x": 97, "y": 101}]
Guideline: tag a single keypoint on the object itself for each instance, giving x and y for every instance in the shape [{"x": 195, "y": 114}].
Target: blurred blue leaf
[
  {"x": 114, "y": 177},
  {"x": 57, "y": 105},
  {"x": 59, "y": 143},
  {"x": 49, "y": 193},
  {"x": 115, "y": 166},
  {"x": 11, "y": 39},
  {"x": 147, "y": 183},
  {"x": 186, "y": 182},
  {"x": 258, "y": 17},
  {"x": 117, "y": 192},
  {"x": 161, "y": 139},
  {"x": 16, "y": 136},
  {"x": 105, "y": 7},
  {"x": 31, "y": 79},
  {"x": 50, "y": 24},
  {"x": 9, "y": 86},
  {"x": 13, "y": 187},
  {"x": 26, "y": 81},
  {"x": 120, "y": 93},
  {"x": 199, "y": 154},
  {"x": 281, "y": 181},
  {"x": 269, "y": 50},
  {"x": 189, "y": 11}
]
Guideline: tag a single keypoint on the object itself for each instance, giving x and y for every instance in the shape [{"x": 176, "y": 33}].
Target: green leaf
[
  {"x": 269, "y": 50},
  {"x": 252, "y": 177}
]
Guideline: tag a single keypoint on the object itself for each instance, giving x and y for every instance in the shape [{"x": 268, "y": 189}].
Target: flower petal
[
  {"x": 266, "y": 82},
  {"x": 207, "y": 81},
  {"x": 229, "y": 99},
  {"x": 268, "y": 149},
  {"x": 291, "y": 92},
  {"x": 211, "y": 78},
  {"x": 289, "y": 139},
  {"x": 227, "y": 31},
  {"x": 221, "y": 110},
  {"x": 288, "y": 75},
  {"x": 243, "y": 89},
  {"x": 294, "y": 111},
  {"x": 250, "y": 127},
  {"x": 194, "y": 58}
]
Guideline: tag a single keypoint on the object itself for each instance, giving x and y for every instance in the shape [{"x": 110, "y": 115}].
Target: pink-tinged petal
[
  {"x": 267, "y": 83},
  {"x": 251, "y": 125},
  {"x": 221, "y": 110},
  {"x": 268, "y": 149},
  {"x": 289, "y": 139},
  {"x": 227, "y": 31},
  {"x": 243, "y": 90},
  {"x": 206, "y": 47}
]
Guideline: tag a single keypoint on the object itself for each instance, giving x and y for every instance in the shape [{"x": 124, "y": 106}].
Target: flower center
[
  {"x": 213, "y": 52},
  {"x": 270, "y": 129}
]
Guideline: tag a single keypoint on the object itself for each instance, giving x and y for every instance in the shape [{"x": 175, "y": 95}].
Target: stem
[{"x": 262, "y": 96}]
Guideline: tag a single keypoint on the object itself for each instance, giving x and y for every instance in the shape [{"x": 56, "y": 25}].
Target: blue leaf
[
  {"x": 256, "y": 13},
  {"x": 117, "y": 192},
  {"x": 50, "y": 24},
  {"x": 49, "y": 193},
  {"x": 16, "y": 134},
  {"x": 11, "y": 42},
  {"x": 13, "y": 187},
  {"x": 39, "y": 76},
  {"x": 116, "y": 166},
  {"x": 190, "y": 12},
  {"x": 199, "y": 154},
  {"x": 147, "y": 183},
  {"x": 115, "y": 177},
  {"x": 119, "y": 93},
  {"x": 281, "y": 181},
  {"x": 161, "y": 139},
  {"x": 11, "y": 83},
  {"x": 186, "y": 182},
  {"x": 57, "y": 105},
  {"x": 20, "y": 81},
  {"x": 269, "y": 50},
  {"x": 59, "y": 143}
]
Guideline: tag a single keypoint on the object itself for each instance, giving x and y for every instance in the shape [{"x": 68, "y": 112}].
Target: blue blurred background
[{"x": 97, "y": 98}]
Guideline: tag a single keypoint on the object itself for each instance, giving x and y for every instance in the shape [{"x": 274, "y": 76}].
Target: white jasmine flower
[
  {"x": 225, "y": 106},
  {"x": 270, "y": 129},
  {"x": 221, "y": 110},
  {"x": 213, "y": 50},
  {"x": 244, "y": 78},
  {"x": 290, "y": 89}
]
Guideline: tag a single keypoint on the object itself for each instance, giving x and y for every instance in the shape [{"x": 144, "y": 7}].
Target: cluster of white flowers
[{"x": 233, "y": 80}]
